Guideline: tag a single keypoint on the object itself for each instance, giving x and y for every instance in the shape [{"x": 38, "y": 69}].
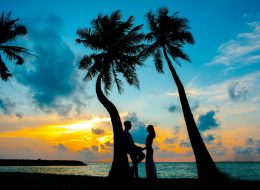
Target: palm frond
[
  {"x": 133, "y": 37},
  {"x": 163, "y": 11},
  {"x": 152, "y": 25},
  {"x": 9, "y": 29},
  {"x": 184, "y": 37},
  {"x": 92, "y": 72},
  {"x": 19, "y": 30},
  {"x": 107, "y": 80},
  {"x": 4, "y": 72},
  {"x": 86, "y": 62},
  {"x": 117, "y": 45},
  {"x": 133, "y": 80},
  {"x": 124, "y": 27},
  {"x": 96, "y": 25},
  {"x": 180, "y": 30},
  {"x": 116, "y": 16},
  {"x": 177, "y": 53},
  {"x": 157, "y": 57},
  {"x": 118, "y": 82},
  {"x": 149, "y": 37},
  {"x": 89, "y": 39},
  {"x": 15, "y": 49},
  {"x": 130, "y": 75},
  {"x": 13, "y": 53},
  {"x": 132, "y": 51},
  {"x": 170, "y": 31}
]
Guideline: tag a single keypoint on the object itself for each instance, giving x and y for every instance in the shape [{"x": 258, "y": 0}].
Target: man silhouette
[{"x": 134, "y": 151}]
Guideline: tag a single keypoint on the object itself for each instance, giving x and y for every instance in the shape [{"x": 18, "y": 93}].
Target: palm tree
[
  {"x": 167, "y": 35},
  {"x": 9, "y": 31},
  {"x": 116, "y": 46}
]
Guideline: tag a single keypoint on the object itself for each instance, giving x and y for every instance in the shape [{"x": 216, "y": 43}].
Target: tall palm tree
[
  {"x": 116, "y": 48},
  {"x": 9, "y": 31},
  {"x": 167, "y": 35}
]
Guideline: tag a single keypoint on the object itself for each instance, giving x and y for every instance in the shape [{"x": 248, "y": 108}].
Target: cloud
[
  {"x": 173, "y": 155},
  {"x": 88, "y": 155},
  {"x": 79, "y": 104},
  {"x": 156, "y": 146},
  {"x": 97, "y": 131},
  {"x": 95, "y": 148},
  {"x": 173, "y": 108},
  {"x": 207, "y": 121},
  {"x": 165, "y": 154},
  {"x": 250, "y": 141},
  {"x": 185, "y": 143},
  {"x": 250, "y": 150},
  {"x": 209, "y": 138},
  {"x": 243, "y": 150},
  {"x": 218, "y": 149},
  {"x": 92, "y": 154},
  {"x": 19, "y": 115},
  {"x": 241, "y": 51},
  {"x": 244, "y": 87},
  {"x": 170, "y": 140},
  {"x": 108, "y": 144},
  {"x": 7, "y": 106},
  {"x": 257, "y": 146},
  {"x": 138, "y": 130},
  {"x": 176, "y": 129},
  {"x": 104, "y": 147},
  {"x": 258, "y": 150},
  {"x": 189, "y": 92},
  {"x": 237, "y": 92},
  {"x": 62, "y": 148},
  {"x": 51, "y": 75},
  {"x": 195, "y": 106}
]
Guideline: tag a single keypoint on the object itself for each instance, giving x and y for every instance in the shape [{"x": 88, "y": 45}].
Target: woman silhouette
[{"x": 149, "y": 162}]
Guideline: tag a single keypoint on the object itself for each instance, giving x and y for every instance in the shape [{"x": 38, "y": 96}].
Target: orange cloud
[{"x": 75, "y": 135}]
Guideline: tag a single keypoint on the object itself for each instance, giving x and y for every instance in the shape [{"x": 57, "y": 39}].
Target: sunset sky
[{"x": 47, "y": 111}]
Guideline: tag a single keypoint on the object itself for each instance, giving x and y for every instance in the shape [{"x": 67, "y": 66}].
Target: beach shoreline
[{"x": 30, "y": 181}]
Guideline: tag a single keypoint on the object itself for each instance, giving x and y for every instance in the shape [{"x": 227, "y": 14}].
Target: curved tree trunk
[
  {"x": 206, "y": 167},
  {"x": 120, "y": 165}
]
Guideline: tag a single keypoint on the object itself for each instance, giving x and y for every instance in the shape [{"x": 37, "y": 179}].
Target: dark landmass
[
  {"x": 10, "y": 162},
  {"x": 30, "y": 181}
]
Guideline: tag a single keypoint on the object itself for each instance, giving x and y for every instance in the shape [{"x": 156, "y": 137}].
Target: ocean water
[{"x": 240, "y": 170}]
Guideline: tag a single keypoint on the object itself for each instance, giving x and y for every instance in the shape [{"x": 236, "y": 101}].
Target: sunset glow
[{"x": 48, "y": 110}]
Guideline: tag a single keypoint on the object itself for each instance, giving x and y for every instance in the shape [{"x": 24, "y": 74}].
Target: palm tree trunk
[
  {"x": 206, "y": 167},
  {"x": 120, "y": 165}
]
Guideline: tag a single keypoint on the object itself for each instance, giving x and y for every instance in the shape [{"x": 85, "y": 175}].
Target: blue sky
[{"x": 222, "y": 82}]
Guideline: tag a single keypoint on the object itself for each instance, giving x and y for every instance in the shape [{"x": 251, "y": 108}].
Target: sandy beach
[{"x": 34, "y": 181}]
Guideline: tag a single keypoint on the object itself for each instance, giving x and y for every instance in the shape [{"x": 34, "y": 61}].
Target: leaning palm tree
[
  {"x": 115, "y": 46},
  {"x": 167, "y": 35},
  {"x": 9, "y": 31}
]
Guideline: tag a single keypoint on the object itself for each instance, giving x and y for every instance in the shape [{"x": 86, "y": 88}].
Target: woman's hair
[{"x": 151, "y": 131}]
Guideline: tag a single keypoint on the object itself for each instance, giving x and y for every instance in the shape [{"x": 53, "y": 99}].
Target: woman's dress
[{"x": 149, "y": 162}]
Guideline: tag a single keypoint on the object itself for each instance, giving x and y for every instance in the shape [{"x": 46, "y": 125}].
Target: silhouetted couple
[{"x": 136, "y": 153}]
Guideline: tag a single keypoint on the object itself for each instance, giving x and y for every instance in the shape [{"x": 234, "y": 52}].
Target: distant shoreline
[{"x": 39, "y": 162}]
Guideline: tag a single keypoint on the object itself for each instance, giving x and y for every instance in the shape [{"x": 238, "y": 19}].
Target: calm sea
[{"x": 241, "y": 170}]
